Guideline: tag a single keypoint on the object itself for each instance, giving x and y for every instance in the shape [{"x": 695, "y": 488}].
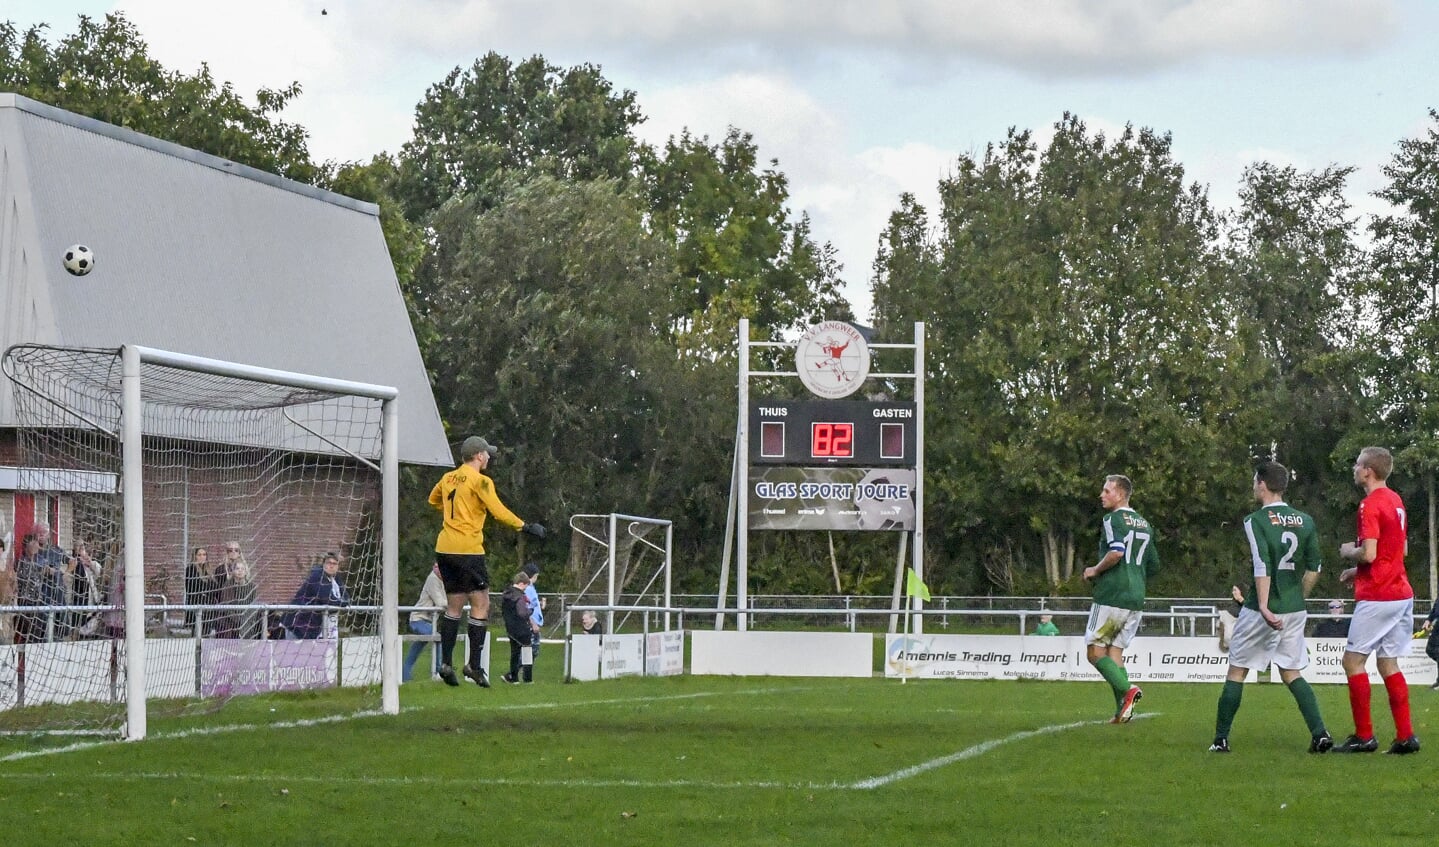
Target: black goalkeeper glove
[{"x": 534, "y": 529}]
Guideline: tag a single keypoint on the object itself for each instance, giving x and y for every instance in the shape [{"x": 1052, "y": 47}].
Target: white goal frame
[{"x": 132, "y": 482}]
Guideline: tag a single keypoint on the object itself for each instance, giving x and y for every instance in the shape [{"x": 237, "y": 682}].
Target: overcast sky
[{"x": 859, "y": 100}]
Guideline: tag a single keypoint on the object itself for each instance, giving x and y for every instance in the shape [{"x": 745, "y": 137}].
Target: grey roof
[{"x": 195, "y": 254}]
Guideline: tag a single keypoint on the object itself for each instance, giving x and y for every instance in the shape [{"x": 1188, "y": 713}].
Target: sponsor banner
[
  {"x": 585, "y": 657},
  {"x": 823, "y": 654},
  {"x": 1326, "y": 664},
  {"x": 1156, "y": 659},
  {"x": 234, "y": 666},
  {"x": 831, "y": 498},
  {"x": 665, "y": 653},
  {"x": 622, "y": 655}
]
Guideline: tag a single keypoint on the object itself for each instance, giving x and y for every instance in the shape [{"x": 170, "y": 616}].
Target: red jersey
[{"x": 1381, "y": 517}]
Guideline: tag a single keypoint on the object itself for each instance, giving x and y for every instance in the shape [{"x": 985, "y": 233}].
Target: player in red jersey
[{"x": 1384, "y": 605}]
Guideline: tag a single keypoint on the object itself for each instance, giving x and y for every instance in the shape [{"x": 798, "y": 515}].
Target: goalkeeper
[{"x": 465, "y": 497}]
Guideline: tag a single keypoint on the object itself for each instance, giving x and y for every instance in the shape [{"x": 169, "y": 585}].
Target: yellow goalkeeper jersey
[{"x": 466, "y": 497}]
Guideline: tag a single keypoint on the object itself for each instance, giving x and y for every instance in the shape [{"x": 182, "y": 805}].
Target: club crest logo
[{"x": 832, "y": 359}]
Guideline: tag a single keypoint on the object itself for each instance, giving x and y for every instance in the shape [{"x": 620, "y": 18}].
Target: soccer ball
[{"x": 79, "y": 260}]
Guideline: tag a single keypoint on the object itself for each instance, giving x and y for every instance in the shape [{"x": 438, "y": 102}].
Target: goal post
[{"x": 201, "y": 450}]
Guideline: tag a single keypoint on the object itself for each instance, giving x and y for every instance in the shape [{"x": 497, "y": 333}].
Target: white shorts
[
  {"x": 1111, "y": 626},
  {"x": 1382, "y": 627},
  {"x": 1254, "y": 645}
]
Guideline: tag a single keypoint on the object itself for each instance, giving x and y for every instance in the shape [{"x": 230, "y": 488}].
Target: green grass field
[{"x": 706, "y": 760}]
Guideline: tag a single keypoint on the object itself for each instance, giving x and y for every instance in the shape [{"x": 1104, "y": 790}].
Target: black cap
[{"x": 530, "y": 569}]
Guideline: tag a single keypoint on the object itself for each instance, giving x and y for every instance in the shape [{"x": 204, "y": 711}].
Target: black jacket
[{"x": 516, "y": 609}]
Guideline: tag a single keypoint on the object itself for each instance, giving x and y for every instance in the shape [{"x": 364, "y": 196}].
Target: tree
[
  {"x": 737, "y": 251},
  {"x": 550, "y": 320},
  {"x": 481, "y": 127},
  {"x": 1403, "y": 299},
  {"x": 104, "y": 71},
  {"x": 1296, "y": 267},
  {"x": 1078, "y": 326}
]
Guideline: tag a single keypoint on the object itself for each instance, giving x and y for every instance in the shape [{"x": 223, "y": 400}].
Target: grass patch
[{"x": 707, "y": 760}]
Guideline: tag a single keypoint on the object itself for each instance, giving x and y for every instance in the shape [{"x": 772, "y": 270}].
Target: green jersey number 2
[{"x": 1291, "y": 546}]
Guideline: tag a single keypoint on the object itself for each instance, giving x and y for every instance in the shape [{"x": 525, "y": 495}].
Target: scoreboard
[{"x": 832, "y": 432}]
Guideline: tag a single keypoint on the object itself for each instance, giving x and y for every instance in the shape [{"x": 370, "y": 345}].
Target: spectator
[
  {"x": 321, "y": 588},
  {"x": 537, "y": 608},
  {"x": 1046, "y": 626},
  {"x": 30, "y": 581},
  {"x": 423, "y": 623},
  {"x": 1431, "y": 647},
  {"x": 590, "y": 624},
  {"x": 7, "y": 586},
  {"x": 1333, "y": 626},
  {"x": 55, "y": 562},
  {"x": 83, "y": 575},
  {"x": 515, "y": 607},
  {"x": 237, "y": 588},
  {"x": 204, "y": 586}
]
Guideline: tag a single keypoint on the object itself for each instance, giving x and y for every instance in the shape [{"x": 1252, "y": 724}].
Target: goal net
[
  {"x": 620, "y": 560},
  {"x": 189, "y": 530}
]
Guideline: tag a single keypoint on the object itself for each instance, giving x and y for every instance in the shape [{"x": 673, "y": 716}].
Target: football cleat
[
  {"x": 1405, "y": 747},
  {"x": 1126, "y": 710},
  {"x": 510, "y": 679},
  {"x": 1220, "y": 745},
  {"x": 1355, "y": 744},
  {"x": 1321, "y": 743},
  {"x": 481, "y": 678},
  {"x": 447, "y": 673}
]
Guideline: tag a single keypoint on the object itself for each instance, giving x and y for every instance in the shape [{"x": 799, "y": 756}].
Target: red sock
[
  {"x": 1399, "y": 704},
  {"x": 1359, "y": 705}
]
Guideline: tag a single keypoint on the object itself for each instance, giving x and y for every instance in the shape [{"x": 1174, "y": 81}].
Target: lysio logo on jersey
[
  {"x": 1134, "y": 520},
  {"x": 1276, "y": 519}
]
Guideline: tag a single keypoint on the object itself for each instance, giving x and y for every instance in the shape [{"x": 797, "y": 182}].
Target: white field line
[
  {"x": 227, "y": 728},
  {"x": 278, "y": 781},
  {"x": 971, "y": 752}
]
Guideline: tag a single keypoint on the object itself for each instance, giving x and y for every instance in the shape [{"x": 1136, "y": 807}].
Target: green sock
[
  {"x": 1308, "y": 705},
  {"x": 1229, "y": 706},
  {"x": 1115, "y": 676}
]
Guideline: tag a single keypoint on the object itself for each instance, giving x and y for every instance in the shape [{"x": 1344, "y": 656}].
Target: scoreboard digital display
[{"x": 832, "y": 432}]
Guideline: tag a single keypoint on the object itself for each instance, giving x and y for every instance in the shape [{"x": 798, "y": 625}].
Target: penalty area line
[
  {"x": 367, "y": 713},
  {"x": 971, "y": 752}
]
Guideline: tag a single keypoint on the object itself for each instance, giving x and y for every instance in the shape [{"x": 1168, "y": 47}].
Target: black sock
[
  {"x": 529, "y": 672},
  {"x": 449, "y": 631},
  {"x": 477, "y": 641}
]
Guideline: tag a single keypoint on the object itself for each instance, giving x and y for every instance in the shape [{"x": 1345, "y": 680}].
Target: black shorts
[{"x": 463, "y": 573}]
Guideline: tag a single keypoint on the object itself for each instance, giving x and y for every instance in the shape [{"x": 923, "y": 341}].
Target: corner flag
[{"x": 914, "y": 586}]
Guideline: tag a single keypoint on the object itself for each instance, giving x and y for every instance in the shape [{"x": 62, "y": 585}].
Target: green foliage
[
  {"x": 575, "y": 294},
  {"x": 551, "y": 311},
  {"x": 737, "y": 251},
  {"x": 483, "y": 126},
  {"x": 1077, "y": 327},
  {"x": 104, "y": 71}
]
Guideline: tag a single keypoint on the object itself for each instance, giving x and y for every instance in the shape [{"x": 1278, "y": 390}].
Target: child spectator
[{"x": 516, "y": 610}]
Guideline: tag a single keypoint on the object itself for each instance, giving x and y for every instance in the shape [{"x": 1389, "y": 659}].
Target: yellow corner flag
[{"x": 914, "y": 586}]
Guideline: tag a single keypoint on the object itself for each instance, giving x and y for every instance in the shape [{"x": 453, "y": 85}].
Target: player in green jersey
[
  {"x": 1127, "y": 559},
  {"x": 1284, "y": 558}
]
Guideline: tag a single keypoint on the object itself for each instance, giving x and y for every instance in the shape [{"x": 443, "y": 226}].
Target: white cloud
[
  {"x": 1044, "y": 36},
  {"x": 342, "y": 65},
  {"x": 848, "y": 195}
]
